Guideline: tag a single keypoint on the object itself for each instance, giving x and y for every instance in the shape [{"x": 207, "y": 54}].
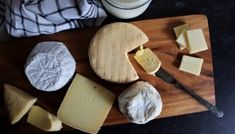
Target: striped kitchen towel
[{"x": 25, "y": 18}]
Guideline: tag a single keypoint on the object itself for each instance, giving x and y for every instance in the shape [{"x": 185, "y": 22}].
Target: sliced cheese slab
[
  {"x": 196, "y": 41},
  {"x": 191, "y": 65},
  {"x": 44, "y": 120},
  {"x": 180, "y": 32},
  {"x": 85, "y": 105},
  {"x": 17, "y": 102},
  {"x": 148, "y": 60},
  {"x": 108, "y": 51}
]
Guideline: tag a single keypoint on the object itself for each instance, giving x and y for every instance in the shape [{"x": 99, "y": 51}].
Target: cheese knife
[{"x": 165, "y": 76}]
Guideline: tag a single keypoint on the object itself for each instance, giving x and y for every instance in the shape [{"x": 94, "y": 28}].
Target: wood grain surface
[{"x": 13, "y": 55}]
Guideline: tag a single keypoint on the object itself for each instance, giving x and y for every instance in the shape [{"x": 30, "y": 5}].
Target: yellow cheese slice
[
  {"x": 148, "y": 60},
  {"x": 85, "y": 105},
  {"x": 43, "y": 119},
  {"x": 180, "y": 32},
  {"x": 191, "y": 65},
  {"x": 108, "y": 51},
  {"x": 196, "y": 41},
  {"x": 17, "y": 102}
]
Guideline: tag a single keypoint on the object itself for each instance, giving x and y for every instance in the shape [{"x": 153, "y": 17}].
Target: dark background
[{"x": 221, "y": 17}]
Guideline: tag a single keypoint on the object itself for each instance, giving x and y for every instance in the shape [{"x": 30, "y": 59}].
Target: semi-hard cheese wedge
[
  {"x": 17, "y": 102},
  {"x": 108, "y": 51},
  {"x": 196, "y": 41},
  {"x": 43, "y": 119},
  {"x": 148, "y": 60},
  {"x": 85, "y": 105},
  {"x": 181, "y": 36},
  {"x": 191, "y": 65}
]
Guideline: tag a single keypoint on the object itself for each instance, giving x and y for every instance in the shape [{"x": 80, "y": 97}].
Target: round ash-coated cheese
[
  {"x": 49, "y": 66},
  {"x": 140, "y": 103}
]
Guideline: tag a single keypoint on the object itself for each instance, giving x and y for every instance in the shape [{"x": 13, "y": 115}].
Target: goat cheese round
[
  {"x": 140, "y": 103},
  {"x": 49, "y": 66}
]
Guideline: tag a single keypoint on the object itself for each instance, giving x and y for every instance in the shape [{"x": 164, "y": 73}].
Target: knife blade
[{"x": 165, "y": 76}]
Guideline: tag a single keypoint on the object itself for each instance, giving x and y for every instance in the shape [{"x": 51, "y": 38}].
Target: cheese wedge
[
  {"x": 108, "y": 51},
  {"x": 180, "y": 32},
  {"x": 17, "y": 102},
  {"x": 85, "y": 105},
  {"x": 196, "y": 41},
  {"x": 44, "y": 120},
  {"x": 148, "y": 60},
  {"x": 191, "y": 65}
]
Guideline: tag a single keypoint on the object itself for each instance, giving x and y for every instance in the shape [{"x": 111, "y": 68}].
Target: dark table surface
[{"x": 221, "y": 17}]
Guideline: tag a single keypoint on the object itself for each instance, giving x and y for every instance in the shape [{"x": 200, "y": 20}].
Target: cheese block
[
  {"x": 50, "y": 66},
  {"x": 180, "y": 32},
  {"x": 148, "y": 60},
  {"x": 44, "y": 120},
  {"x": 108, "y": 51},
  {"x": 196, "y": 41},
  {"x": 191, "y": 64},
  {"x": 140, "y": 103},
  {"x": 85, "y": 105},
  {"x": 17, "y": 102}
]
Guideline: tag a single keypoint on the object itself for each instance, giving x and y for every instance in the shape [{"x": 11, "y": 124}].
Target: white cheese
[
  {"x": 49, "y": 66},
  {"x": 140, "y": 103},
  {"x": 44, "y": 120},
  {"x": 180, "y": 32},
  {"x": 17, "y": 102}
]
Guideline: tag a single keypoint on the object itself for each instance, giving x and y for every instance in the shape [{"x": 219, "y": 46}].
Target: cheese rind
[
  {"x": 85, "y": 105},
  {"x": 196, "y": 41},
  {"x": 148, "y": 60},
  {"x": 108, "y": 51},
  {"x": 43, "y": 119},
  {"x": 17, "y": 102},
  {"x": 191, "y": 65},
  {"x": 180, "y": 32}
]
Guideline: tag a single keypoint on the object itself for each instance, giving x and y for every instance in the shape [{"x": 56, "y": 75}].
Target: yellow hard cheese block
[
  {"x": 43, "y": 119},
  {"x": 148, "y": 60},
  {"x": 85, "y": 105},
  {"x": 191, "y": 65},
  {"x": 17, "y": 102},
  {"x": 181, "y": 36},
  {"x": 196, "y": 41}
]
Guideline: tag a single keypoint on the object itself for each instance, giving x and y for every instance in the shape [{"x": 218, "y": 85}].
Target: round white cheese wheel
[
  {"x": 50, "y": 66},
  {"x": 140, "y": 103},
  {"x": 108, "y": 51}
]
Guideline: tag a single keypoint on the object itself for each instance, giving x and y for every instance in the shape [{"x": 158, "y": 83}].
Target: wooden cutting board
[{"x": 13, "y": 55}]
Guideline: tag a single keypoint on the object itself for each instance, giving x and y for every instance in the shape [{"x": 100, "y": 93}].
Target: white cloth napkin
[{"x": 25, "y": 18}]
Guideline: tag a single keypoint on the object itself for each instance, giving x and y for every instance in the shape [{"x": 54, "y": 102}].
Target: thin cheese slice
[
  {"x": 191, "y": 65},
  {"x": 17, "y": 102},
  {"x": 108, "y": 51},
  {"x": 180, "y": 32},
  {"x": 85, "y": 105},
  {"x": 43, "y": 119},
  {"x": 148, "y": 60},
  {"x": 196, "y": 41}
]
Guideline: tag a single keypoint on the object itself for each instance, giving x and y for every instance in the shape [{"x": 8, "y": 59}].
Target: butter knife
[{"x": 165, "y": 76}]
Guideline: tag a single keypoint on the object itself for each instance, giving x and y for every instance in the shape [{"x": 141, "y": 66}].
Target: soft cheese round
[
  {"x": 108, "y": 51},
  {"x": 49, "y": 66},
  {"x": 140, "y": 103}
]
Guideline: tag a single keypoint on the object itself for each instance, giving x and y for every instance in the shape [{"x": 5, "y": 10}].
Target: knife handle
[{"x": 213, "y": 109}]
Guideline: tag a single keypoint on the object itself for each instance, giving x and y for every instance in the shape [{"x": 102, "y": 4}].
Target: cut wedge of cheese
[
  {"x": 180, "y": 32},
  {"x": 44, "y": 120},
  {"x": 17, "y": 102},
  {"x": 108, "y": 51},
  {"x": 85, "y": 105},
  {"x": 148, "y": 60}
]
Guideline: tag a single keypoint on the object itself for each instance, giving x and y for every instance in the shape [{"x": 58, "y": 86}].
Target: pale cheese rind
[
  {"x": 17, "y": 102},
  {"x": 108, "y": 51}
]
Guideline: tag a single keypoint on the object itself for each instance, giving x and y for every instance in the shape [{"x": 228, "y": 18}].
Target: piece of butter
[
  {"x": 148, "y": 60},
  {"x": 17, "y": 102},
  {"x": 180, "y": 32},
  {"x": 85, "y": 105},
  {"x": 191, "y": 65},
  {"x": 196, "y": 41},
  {"x": 43, "y": 119}
]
